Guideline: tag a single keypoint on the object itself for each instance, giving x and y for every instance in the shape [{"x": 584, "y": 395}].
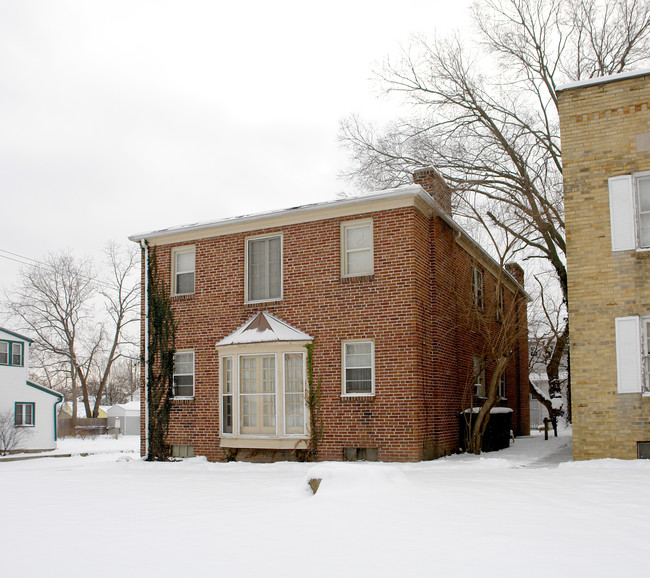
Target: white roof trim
[
  {"x": 603, "y": 79},
  {"x": 405, "y": 191},
  {"x": 279, "y": 331}
]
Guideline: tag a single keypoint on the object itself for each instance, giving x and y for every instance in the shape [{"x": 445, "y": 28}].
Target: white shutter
[
  {"x": 621, "y": 212},
  {"x": 628, "y": 355}
]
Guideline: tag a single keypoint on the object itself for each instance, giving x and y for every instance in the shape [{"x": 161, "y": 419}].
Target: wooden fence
[{"x": 86, "y": 426}]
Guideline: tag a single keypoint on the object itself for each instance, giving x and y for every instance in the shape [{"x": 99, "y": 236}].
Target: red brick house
[{"x": 381, "y": 285}]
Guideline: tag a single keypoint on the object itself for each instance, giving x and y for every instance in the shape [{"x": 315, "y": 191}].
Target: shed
[{"x": 129, "y": 416}]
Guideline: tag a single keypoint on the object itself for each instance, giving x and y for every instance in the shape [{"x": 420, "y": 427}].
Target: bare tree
[
  {"x": 79, "y": 320},
  {"x": 11, "y": 437},
  {"x": 497, "y": 323},
  {"x": 486, "y": 116}
]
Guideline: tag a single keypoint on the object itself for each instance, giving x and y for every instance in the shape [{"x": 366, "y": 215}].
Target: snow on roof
[
  {"x": 262, "y": 328},
  {"x": 363, "y": 197},
  {"x": 603, "y": 79}
]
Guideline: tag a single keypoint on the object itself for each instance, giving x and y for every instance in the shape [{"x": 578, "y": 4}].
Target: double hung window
[
  {"x": 358, "y": 368},
  {"x": 357, "y": 248},
  {"x": 264, "y": 268},
  {"x": 184, "y": 374},
  {"x": 184, "y": 265},
  {"x": 11, "y": 353},
  {"x": 24, "y": 414}
]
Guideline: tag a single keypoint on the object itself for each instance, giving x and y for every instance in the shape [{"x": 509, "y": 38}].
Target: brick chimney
[
  {"x": 516, "y": 271},
  {"x": 431, "y": 181}
]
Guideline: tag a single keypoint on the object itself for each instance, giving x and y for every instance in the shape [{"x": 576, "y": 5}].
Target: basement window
[
  {"x": 360, "y": 454},
  {"x": 182, "y": 451},
  {"x": 643, "y": 450}
]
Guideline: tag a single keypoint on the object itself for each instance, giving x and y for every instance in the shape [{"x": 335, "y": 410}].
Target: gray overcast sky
[{"x": 124, "y": 116}]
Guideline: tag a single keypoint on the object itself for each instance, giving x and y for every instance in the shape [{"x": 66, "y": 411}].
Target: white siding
[
  {"x": 628, "y": 355},
  {"x": 621, "y": 212},
  {"x": 14, "y": 388}
]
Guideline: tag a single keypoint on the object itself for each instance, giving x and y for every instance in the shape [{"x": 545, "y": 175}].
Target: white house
[{"x": 29, "y": 406}]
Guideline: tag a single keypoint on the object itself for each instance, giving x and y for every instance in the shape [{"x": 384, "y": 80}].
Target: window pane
[
  {"x": 185, "y": 283},
  {"x": 358, "y": 380},
  {"x": 227, "y": 375},
  {"x": 185, "y": 262},
  {"x": 19, "y": 414},
  {"x": 644, "y": 194},
  {"x": 293, "y": 380},
  {"x": 4, "y": 352},
  {"x": 644, "y": 230},
  {"x": 358, "y": 354},
  {"x": 29, "y": 414},
  {"x": 249, "y": 375},
  {"x": 358, "y": 237},
  {"x": 227, "y": 414},
  {"x": 184, "y": 363},
  {"x": 16, "y": 354},
  {"x": 359, "y": 262}
]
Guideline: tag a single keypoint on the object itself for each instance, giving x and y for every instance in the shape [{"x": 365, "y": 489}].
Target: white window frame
[
  {"x": 345, "y": 227},
  {"x": 637, "y": 199},
  {"x": 176, "y": 251},
  {"x": 477, "y": 287},
  {"x": 304, "y": 393},
  {"x": 247, "y": 242},
  {"x": 344, "y": 367},
  {"x": 7, "y": 353},
  {"x": 193, "y": 374},
  {"x": 23, "y": 405},
  {"x": 280, "y": 394},
  {"x": 230, "y": 359}
]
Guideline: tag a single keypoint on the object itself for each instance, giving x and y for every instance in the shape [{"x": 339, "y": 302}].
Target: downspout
[
  {"x": 145, "y": 248},
  {"x": 56, "y": 417}
]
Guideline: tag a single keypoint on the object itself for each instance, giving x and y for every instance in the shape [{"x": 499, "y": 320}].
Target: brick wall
[
  {"x": 412, "y": 307},
  {"x": 600, "y": 125}
]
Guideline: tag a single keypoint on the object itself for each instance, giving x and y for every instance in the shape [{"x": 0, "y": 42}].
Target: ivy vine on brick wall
[
  {"x": 313, "y": 402},
  {"x": 160, "y": 367}
]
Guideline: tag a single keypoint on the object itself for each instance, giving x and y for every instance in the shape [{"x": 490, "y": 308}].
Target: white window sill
[
  {"x": 182, "y": 398},
  {"x": 272, "y": 443},
  {"x": 348, "y": 395},
  {"x": 273, "y": 300}
]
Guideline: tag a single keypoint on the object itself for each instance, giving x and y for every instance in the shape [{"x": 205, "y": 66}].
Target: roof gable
[
  {"x": 264, "y": 328},
  {"x": 16, "y": 335}
]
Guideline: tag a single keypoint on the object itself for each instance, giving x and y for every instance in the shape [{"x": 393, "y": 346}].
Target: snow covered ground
[{"x": 507, "y": 513}]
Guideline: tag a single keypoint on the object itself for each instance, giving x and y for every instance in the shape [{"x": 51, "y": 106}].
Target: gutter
[{"x": 145, "y": 248}]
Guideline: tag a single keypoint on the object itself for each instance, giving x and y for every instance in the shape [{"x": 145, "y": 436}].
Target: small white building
[
  {"x": 128, "y": 415},
  {"x": 28, "y": 406}
]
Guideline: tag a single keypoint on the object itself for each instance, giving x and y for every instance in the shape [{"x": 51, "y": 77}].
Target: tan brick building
[
  {"x": 383, "y": 285},
  {"x": 605, "y": 125}
]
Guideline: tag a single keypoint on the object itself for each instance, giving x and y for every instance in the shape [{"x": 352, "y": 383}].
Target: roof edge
[
  {"x": 16, "y": 334},
  {"x": 45, "y": 389},
  {"x": 603, "y": 79}
]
